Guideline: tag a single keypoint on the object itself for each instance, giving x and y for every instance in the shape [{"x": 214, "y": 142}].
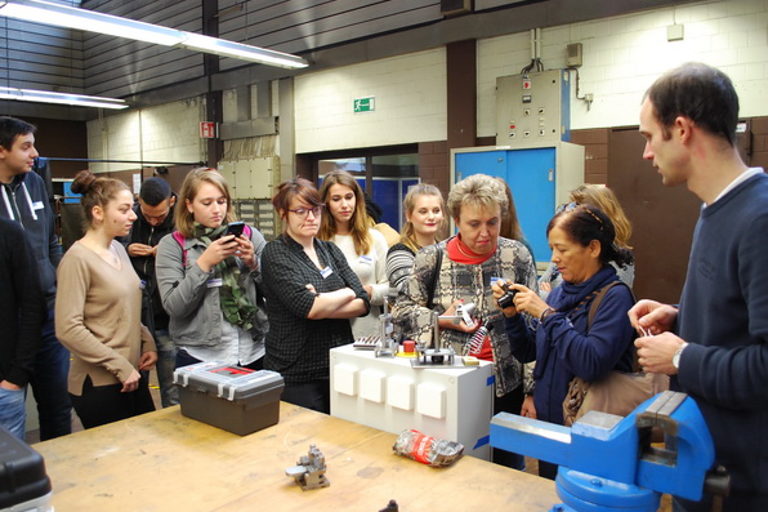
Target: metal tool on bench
[
  {"x": 439, "y": 356},
  {"x": 607, "y": 463}
]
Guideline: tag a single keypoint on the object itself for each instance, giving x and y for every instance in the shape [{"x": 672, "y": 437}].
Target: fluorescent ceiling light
[
  {"x": 226, "y": 48},
  {"x": 49, "y": 13},
  {"x": 78, "y": 100}
]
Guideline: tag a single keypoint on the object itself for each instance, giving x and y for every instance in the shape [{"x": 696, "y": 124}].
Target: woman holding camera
[
  {"x": 311, "y": 295},
  {"x": 603, "y": 198},
  {"x": 207, "y": 273},
  {"x": 458, "y": 271},
  {"x": 566, "y": 342}
]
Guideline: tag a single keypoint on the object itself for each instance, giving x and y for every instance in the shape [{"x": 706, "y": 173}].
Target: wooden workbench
[{"x": 163, "y": 461}]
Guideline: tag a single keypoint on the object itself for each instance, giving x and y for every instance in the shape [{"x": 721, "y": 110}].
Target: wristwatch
[{"x": 677, "y": 354}]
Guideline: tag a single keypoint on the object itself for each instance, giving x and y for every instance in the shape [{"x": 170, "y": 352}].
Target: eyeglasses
[
  {"x": 569, "y": 207},
  {"x": 303, "y": 212}
]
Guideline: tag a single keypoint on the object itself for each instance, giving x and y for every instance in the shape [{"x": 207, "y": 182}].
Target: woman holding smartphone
[
  {"x": 98, "y": 310},
  {"x": 208, "y": 277}
]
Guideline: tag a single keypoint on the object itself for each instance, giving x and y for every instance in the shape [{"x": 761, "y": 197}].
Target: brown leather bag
[{"x": 619, "y": 392}]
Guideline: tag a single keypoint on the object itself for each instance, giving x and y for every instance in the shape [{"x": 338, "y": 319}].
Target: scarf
[
  {"x": 459, "y": 252},
  {"x": 235, "y": 305},
  {"x": 573, "y": 300}
]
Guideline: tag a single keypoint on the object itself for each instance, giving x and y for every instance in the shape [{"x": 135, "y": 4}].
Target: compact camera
[{"x": 508, "y": 299}]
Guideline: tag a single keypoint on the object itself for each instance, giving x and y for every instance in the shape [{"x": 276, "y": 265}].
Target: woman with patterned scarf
[
  {"x": 460, "y": 270},
  {"x": 208, "y": 279}
]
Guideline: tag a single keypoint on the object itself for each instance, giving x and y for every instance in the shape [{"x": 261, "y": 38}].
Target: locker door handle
[{"x": 551, "y": 175}]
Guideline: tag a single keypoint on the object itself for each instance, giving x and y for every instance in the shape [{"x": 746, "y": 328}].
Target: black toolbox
[
  {"x": 24, "y": 485},
  {"x": 236, "y": 399}
]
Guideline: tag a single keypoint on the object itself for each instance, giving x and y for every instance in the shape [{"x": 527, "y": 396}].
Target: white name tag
[
  {"x": 38, "y": 205},
  {"x": 326, "y": 272},
  {"x": 216, "y": 282},
  {"x": 366, "y": 260}
]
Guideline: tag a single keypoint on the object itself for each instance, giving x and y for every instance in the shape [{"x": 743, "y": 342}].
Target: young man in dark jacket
[
  {"x": 22, "y": 312},
  {"x": 24, "y": 200},
  {"x": 154, "y": 213}
]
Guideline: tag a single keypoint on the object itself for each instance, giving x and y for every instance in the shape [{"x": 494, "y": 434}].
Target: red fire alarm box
[{"x": 208, "y": 130}]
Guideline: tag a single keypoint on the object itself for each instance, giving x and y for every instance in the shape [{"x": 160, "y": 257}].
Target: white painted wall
[
  {"x": 166, "y": 133},
  {"x": 410, "y": 94},
  {"x": 623, "y": 55}
]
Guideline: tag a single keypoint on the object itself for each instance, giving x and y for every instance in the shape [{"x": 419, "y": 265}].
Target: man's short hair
[
  {"x": 154, "y": 191},
  {"x": 701, "y": 93},
  {"x": 10, "y": 128}
]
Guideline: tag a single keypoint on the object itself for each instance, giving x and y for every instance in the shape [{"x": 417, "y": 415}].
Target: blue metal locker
[{"x": 531, "y": 175}]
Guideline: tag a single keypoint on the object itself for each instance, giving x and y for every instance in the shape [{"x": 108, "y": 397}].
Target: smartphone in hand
[{"x": 236, "y": 228}]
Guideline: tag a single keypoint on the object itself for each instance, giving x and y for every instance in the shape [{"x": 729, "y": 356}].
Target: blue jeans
[
  {"x": 166, "y": 363},
  {"x": 49, "y": 384},
  {"x": 12, "y": 412}
]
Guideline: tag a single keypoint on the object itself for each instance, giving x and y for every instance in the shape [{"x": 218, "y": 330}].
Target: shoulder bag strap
[
  {"x": 435, "y": 277},
  {"x": 596, "y": 302}
]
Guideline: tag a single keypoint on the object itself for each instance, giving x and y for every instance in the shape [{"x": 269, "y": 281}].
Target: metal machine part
[{"x": 309, "y": 472}]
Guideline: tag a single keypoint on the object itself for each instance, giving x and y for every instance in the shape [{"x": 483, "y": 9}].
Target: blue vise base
[{"x": 619, "y": 449}]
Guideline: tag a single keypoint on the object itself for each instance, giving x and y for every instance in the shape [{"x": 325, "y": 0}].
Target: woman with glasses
[
  {"x": 566, "y": 342},
  {"x": 311, "y": 295},
  {"x": 207, "y": 274},
  {"x": 603, "y": 198},
  {"x": 349, "y": 227}
]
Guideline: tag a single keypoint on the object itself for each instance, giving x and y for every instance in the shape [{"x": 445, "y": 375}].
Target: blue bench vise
[{"x": 608, "y": 463}]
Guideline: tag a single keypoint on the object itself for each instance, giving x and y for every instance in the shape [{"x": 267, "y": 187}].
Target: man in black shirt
[
  {"x": 154, "y": 213},
  {"x": 22, "y": 312}
]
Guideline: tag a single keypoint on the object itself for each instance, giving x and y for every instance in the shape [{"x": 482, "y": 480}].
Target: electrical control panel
[{"x": 533, "y": 109}]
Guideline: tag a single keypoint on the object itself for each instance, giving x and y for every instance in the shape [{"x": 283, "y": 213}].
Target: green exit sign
[{"x": 365, "y": 104}]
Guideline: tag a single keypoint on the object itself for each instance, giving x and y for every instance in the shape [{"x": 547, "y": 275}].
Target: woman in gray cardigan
[{"x": 208, "y": 278}]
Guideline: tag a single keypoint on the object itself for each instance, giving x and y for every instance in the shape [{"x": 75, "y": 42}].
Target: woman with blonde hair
[
  {"x": 207, "y": 273},
  {"x": 424, "y": 223},
  {"x": 604, "y": 199},
  {"x": 348, "y": 226},
  {"x": 98, "y": 310}
]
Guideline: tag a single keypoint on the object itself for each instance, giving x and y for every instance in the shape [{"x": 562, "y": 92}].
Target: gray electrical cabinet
[{"x": 533, "y": 109}]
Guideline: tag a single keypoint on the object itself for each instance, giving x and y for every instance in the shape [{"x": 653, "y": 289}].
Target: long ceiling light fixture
[
  {"x": 49, "y": 13},
  {"x": 63, "y": 98}
]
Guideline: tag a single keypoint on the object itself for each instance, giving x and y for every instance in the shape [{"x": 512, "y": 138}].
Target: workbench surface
[{"x": 163, "y": 461}]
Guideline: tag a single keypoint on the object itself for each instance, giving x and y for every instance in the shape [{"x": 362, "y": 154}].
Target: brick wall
[
  {"x": 623, "y": 55},
  {"x": 434, "y": 165},
  {"x": 595, "y": 142},
  {"x": 166, "y": 133},
  {"x": 759, "y": 142}
]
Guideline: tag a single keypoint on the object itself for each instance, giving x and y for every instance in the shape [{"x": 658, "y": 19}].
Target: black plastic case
[{"x": 22, "y": 476}]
